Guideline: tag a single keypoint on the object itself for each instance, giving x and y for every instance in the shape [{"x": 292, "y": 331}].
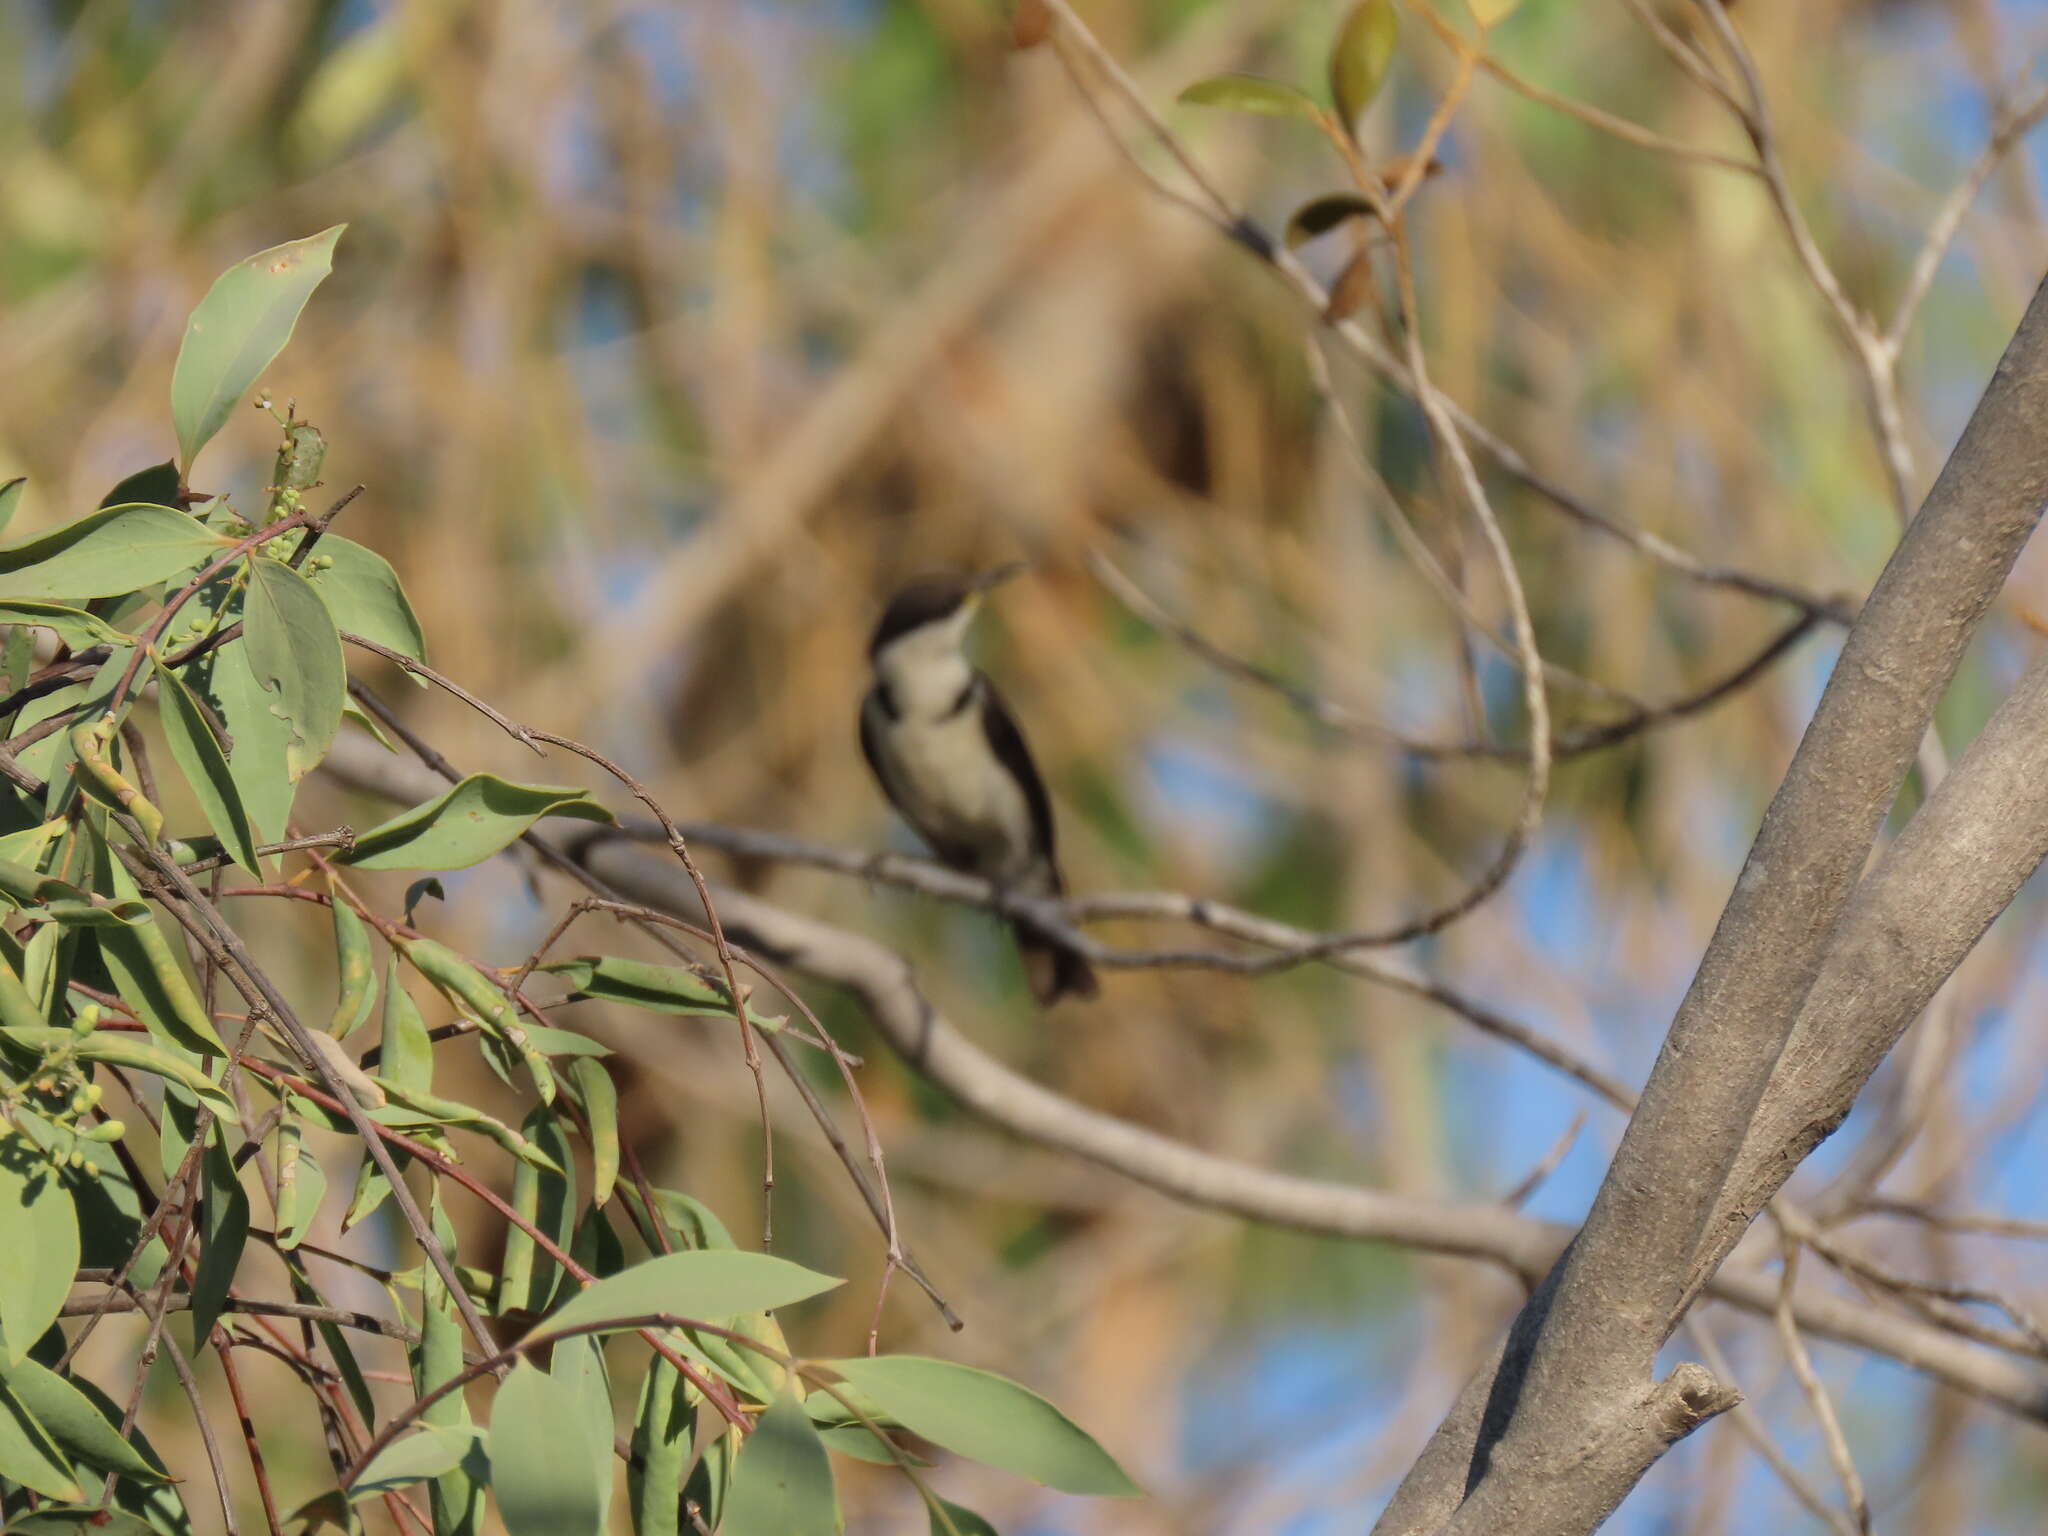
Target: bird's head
[{"x": 935, "y": 611}]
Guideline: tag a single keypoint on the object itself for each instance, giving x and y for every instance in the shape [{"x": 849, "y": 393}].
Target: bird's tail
[{"x": 1055, "y": 970}]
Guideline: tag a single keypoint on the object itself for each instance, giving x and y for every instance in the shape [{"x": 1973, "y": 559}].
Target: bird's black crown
[{"x": 924, "y": 601}]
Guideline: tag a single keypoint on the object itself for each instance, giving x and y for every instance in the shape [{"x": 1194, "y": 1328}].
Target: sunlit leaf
[
  {"x": 140, "y": 1055},
  {"x": 986, "y": 1418},
  {"x": 363, "y": 593},
  {"x": 355, "y": 970},
  {"x": 952, "y": 1520},
  {"x": 600, "y": 1098},
  {"x": 473, "y": 820},
  {"x": 469, "y": 988},
  {"x": 1359, "y": 58},
  {"x": 578, "y": 1364},
  {"x": 406, "y": 1060},
  {"x": 38, "y": 1249},
  {"x": 223, "y": 1230},
  {"x": 10, "y": 499},
  {"x": 430, "y": 1451},
  {"x": 104, "y": 553},
  {"x": 301, "y": 1186},
  {"x": 157, "y": 485},
  {"x": 28, "y": 1455},
  {"x": 238, "y": 328},
  {"x": 543, "y": 1487},
  {"x": 1252, "y": 93},
  {"x": 295, "y": 652},
  {"x": 205, "y": 766},
  {"x": 663, "y": 1429},
  {"x": 74, "y": 626},
  {"x": 705, "y": 1285},
  {"x": 782, "y": 1484},
  {"x": 657, "y": 988},
  {"x": 546, "y": 1197}
]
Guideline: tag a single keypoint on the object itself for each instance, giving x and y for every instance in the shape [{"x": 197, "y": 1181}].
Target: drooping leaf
[
  {"x": 468, "y": 987},
  {"x": 986, "y": 1418},
  {"x": 600, "y": 1098},
  {"x": 150, "y": 978},
  {"x": 295, "y": 652},
  {"x": 458, "y": 1496},
  {"x": 691, "y": 1221},
  {"x": 410, "y": 1105},
  {"x": 657, "y": 988},
  {"x": 38, "y": 1251},
  {"x": 106, "y": 553},
  {"x": 74, "y": 626},
  {"x": 706, "y": 1285},
  {"x": 301, "y": 1186},
  {"x": 10, "y": 499},
  {"x": 362, "y": 591},
  {"x": 1252, "y": 93},
  {"x": 224, "y": 1230},
  {"x": 542, "y": 1488},
  {"x": 28, "y": 1455},
  {"x": 157, "y": 485},
  {"x": 663, "y": 1429},
  {"x": 1359, "y": 58},
  {"x": 227, "y": 680},
  {"x": 432, "y": 1450},
  {"x": 473, "y": 820},
  {"x": 75, "y": 1423},
  {"x": 782, "y": 1484},
  {"x": 199, "y": 757},
  {"x": 578, "y": 1364},
  {"x": 355, "y": 970},
  {"x": 406, "y": 1062},
  {"x": 238, "y": 328},
  {"x": 547, "y": 1198}
]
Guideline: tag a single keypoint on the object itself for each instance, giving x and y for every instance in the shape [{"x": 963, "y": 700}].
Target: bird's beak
[{"x": 996, "y": 577}]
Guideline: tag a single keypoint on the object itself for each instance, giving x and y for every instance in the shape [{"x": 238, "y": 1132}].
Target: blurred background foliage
[{"x": 669, "y": 338}]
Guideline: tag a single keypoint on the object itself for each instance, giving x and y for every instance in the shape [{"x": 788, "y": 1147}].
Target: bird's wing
[{"x": 1007, "y": 742}]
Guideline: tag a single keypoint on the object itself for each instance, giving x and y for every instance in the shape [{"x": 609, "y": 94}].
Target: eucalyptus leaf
[
  {"x": 10, "y": 499},
  {"x": 295, "y": 652},
  {"x": 704, "y": 1285},
  {"x": 362, "y": 591},
  {"x": 1359, "y": 58},
  {"x": 236, "y": 331},
  {"x": 205, "y": 766},
  {"x": 429, "y": 1451},
  {"x": 75, "y": 1423},
  {"x": 74, "y": 626},
  {"x": 141, "y": 1055},
  {"x": 38, "y": 1250},
  {"x": 224, "y": 1230},
  {"x": 986, "y": 1418},
  {"x": 157, "y": 485},
  {"x": 28, "y": 1455},
  {"x": 355, "y": 969},
  {"x": 543, "y": 1487},
  {"x": 471, "y": 821},
  {"x": 782, "y": 1484},
  {"x": 1252, "y": 93},
  {"x": 106, "y": 553}
]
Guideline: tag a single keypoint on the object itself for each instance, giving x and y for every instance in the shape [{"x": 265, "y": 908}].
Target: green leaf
[
  {"x": 224, "y": 1230},
  {"x": 468, "y": 824},
  {"x": 1359, "y": 59},
  {"x": 106, "y": 553},
  {"x": 205, "y": 766},
  {"x": 372, "y": 1189},
  {"x": 10, "y": 499},
  {"x": 81, "y": 1520},
  {"x": 1252, "y": 93},
  {"x": 458, "y": 1496},
  {"x": 78, "y": 1427},
  {"x": 406, "y": 1059},
  {"x": 430, "y": 1451},
  {"x": 988, "y": 1419},
  {"x": 691, "y": 1220},
  {"x": 782, "y": 1485},
  {"x": 543, "y": 1488},
  {"x": 228, "y": 681},
  {"x": 27, "y": 1453},
  {"x": 1320, "y": 215},
  {"x": 38, "y": 1251},
  {"x": 705, "y": 1285},
  {"x": 356, "y": 968},
  {"x": 470, "y": 989},
  {"x": 600, "y": 1098},
  {"x": 410, "y": 1105},
  {"x": 295, "y": 652},
  {"x": 547, "y": 1198},
  {"x": 74, "y": 626},
  {"x": 952, "y": 1520},
  {"x": 663, "y": 1430},
  {"x": 157, "y": 485},
  {"x": 657, "y": 988},
  {"x": 362, "y": 592},
  {"x": 239, "y": 327},
  {"x": 301, "y": 1186},
  {"x": 128, "y": 1050},
  {"x": 578, "y": 1364},
  {"x": 150, "y": 978}
]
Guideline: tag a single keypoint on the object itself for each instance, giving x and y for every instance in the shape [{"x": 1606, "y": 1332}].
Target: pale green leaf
[
  {"x": 363, "y": 593},
  {"x": 542, "y": 1477},
  {"x": 986, "y": 1418},
  {"x": 78, "y": 1427},
  {"x": 38, "y": 1247},
  {"x": 205, "y": 766},
  {"x": 28, "y": 1455},
  {"x": 74, "y": 626},
  {"x": 10, "y": 499},
  {"x": 239, "y": 327},
  {"x": 704, "y": 1285},
  {"x": 663, "y": 1430},
  {"x": 106, "y": 553},
  {"x": 430, "y": 1451},
  {"x": 782, "y": 1484},
  {"x": 295, "y": 652},
  {"x": 468, "y": 824},
  {"x": 1359, "y": 58}
]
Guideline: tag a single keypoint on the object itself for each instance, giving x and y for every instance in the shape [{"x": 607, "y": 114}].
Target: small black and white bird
[{"x": 951, "y": 760}]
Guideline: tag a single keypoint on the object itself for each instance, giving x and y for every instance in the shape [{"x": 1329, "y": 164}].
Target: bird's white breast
[{"x": 955, "y": 791}]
